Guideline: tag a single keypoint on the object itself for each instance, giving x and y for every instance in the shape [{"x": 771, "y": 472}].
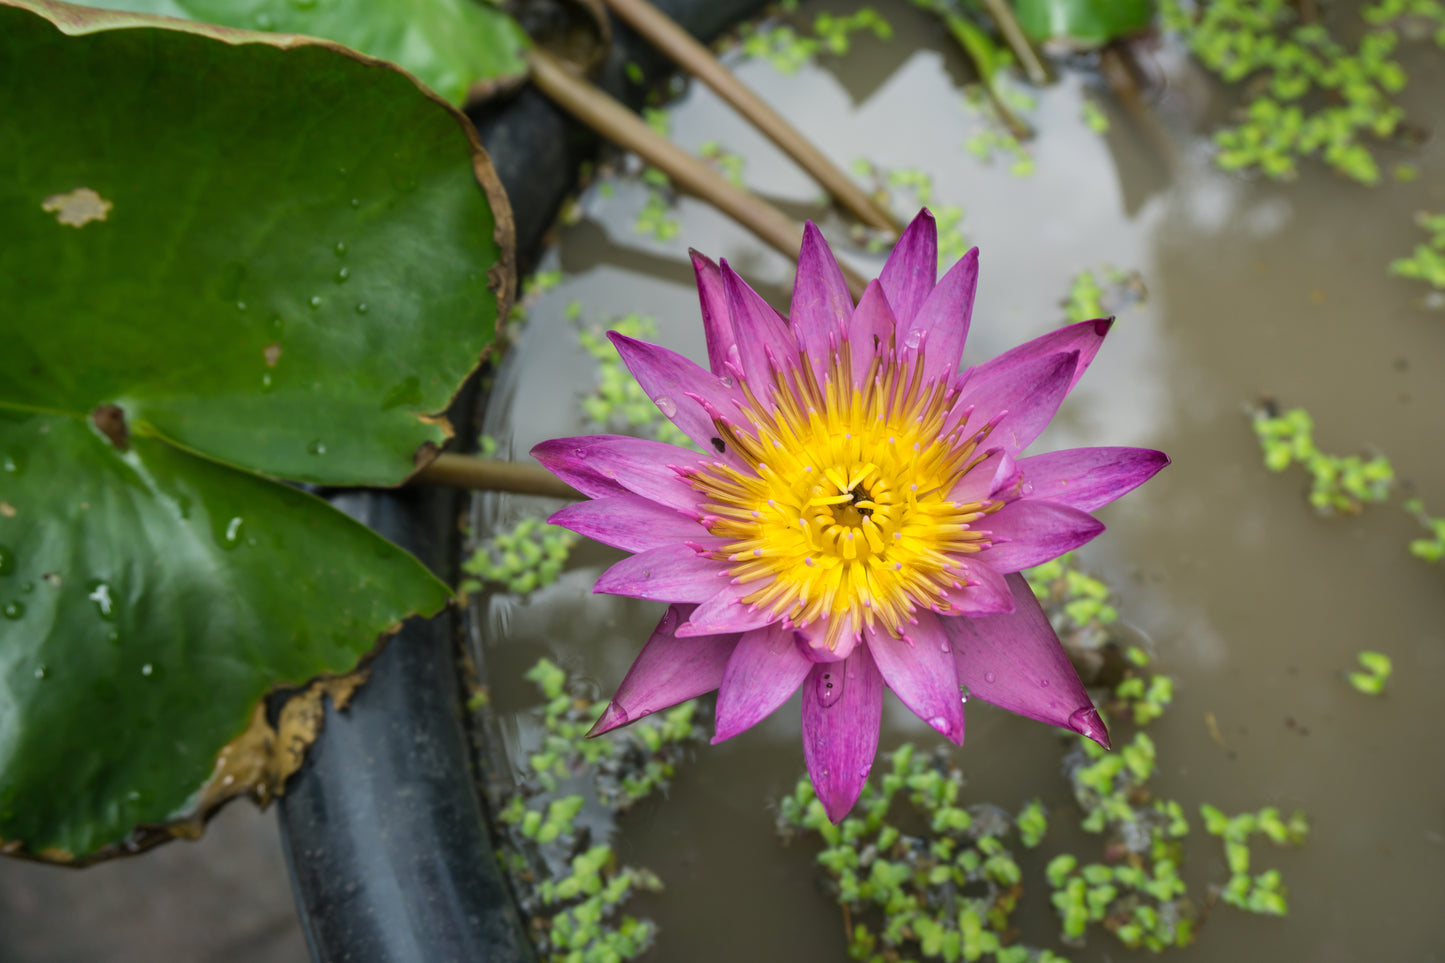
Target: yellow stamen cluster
[{"x": 842, "y": 514}]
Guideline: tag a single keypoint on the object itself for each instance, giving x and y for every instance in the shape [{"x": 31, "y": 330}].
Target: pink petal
[
  {"x": 940, "y": 327},
  {"x": 675, "y": 385},
  {"x": 985, "y": 591},
  {"x": 763, "y": 672},
  {"x": 821, "y": 306},
  {"x": 566, "y": 463},
  {"x": 669, "y": 670},
  {"x": 672, "y": 573},
  {"x": 984, "y": 479},
  {"x": 1029, "y": 393},
  {"x": 726, "y": 612},
  {"x": 717, "y": 327},
  {"x": 909, "y": 274},
  {"x": 1017, "y": 663},
  {"x": 921, "y": 673},
  {"x": 871, "y": 330},
  {"x": 601, "y": 463},
  {"x": 842, "y": 706},
  {"x": 761, "y": 334},
  {"x": 1030, "y": 532},
  {"x": 1089, "y": 478},
  {"x": 1086, "y": 338},
  {"x": 629, "y": 522}
]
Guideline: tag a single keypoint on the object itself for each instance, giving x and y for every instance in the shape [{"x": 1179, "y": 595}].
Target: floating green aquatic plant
[
  {"x": 1340, "y": 484},
  {"x": 903, "y": 893},
  {"x": 572, "y": 892},
  {"x": 727, "y": 162},
  {"x": 1308, "y": 94},
  {"x": 523, "y": 559},
  {"x": 789, "y": 50},
  {"x": 1093, "y": 116},
  {"x": 1265, "y": 892},
  {"x": 916, "y": 186},
  {"x": 1374, "y": 672},
  {"x": 1427, "y": 263},
  {"x": 618, "y": 403},
  {"x": 1431, "y": 549}
]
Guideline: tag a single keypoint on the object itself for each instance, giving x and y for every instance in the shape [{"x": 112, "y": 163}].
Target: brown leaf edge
[
  {"x": 73, "y": 20},
  {"x": 257, "y": 763}
]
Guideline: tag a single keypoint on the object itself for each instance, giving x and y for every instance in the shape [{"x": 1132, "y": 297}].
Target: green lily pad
[
  {"x": 1083, "y": 23},
  {"x": 227, "y": 258},
  {"x": 148, "y": 599},
  {"x": 452, "y": 46}
]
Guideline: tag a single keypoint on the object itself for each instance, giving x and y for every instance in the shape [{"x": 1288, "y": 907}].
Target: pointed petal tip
[
  {"x": 1102, "y": 325},
  {"x": 838, "y": 801},
  {"x": 1086, "y": 722},
  {"x": 612, "y": 717}
]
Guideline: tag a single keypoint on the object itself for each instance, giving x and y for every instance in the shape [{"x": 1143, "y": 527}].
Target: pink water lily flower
[{"x": 858, "y": 514}]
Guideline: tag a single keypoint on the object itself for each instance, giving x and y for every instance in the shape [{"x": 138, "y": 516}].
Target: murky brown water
[{"x": 1251, "y": 602}]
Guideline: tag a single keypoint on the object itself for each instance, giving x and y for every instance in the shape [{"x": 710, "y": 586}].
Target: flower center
[{"x": 843, "y": 515}]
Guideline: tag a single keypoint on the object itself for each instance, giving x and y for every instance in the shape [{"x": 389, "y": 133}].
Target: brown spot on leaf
[
  {"x": 260, "y": 760},
  {"x": 110, "y": 421},
  {"x": 78, "y": 208},
  {"x": 272, "y": 353}
]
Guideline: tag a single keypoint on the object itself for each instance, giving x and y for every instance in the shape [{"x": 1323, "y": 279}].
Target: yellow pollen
[{"x": 844, "y": 518}]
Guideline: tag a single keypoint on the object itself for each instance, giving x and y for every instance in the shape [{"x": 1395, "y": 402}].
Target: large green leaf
[
  {"x": 450, "y": 45},
  {"x": 1084, "y": 23},
  {"x": 225, "y": 256},
  {"x": 149, "y": 598}
]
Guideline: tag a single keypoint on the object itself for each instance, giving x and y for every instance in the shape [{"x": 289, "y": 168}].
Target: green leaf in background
[
  {"x": 449, "y": 45},
  {"x": 225, "y": 256},
  {"x": 1083, "y": 23}
]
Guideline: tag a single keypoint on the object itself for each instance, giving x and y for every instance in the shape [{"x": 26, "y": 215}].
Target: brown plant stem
[
  {"x": 696, "y": 59},
  {"x": 486, "y": 474},
  {"x": 1035, "y": 68},
  {"x": 595, "y": 108}
]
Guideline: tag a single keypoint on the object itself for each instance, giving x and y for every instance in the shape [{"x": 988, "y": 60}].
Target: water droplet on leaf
[
  {"x": 7, "y": 560},
  {"x": 13, "y": 610},
  {"x": 100, "y": 595}
]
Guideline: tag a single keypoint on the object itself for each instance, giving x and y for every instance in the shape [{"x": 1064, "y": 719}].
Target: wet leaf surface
[{"x": 223, "y": 263}]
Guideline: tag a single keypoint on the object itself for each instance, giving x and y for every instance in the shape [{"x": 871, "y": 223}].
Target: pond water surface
[{"x": 1251, "y": 601}]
